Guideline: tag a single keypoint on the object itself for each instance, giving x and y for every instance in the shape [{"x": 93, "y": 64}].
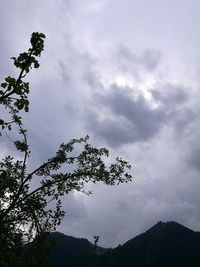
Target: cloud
[
  {"x": 129, "y": 89},
  {"x": 194, "y": 157},
  {"x": 131, "y": 62},
  {"x": 169, "y": 94},
  {"x": 131, "y": 117}
]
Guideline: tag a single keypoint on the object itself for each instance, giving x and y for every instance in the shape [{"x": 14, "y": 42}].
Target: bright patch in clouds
[{"x": 122, "y": 81}]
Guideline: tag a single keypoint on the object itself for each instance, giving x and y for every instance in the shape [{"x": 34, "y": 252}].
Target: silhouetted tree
[{"x": 24, "y": 209}]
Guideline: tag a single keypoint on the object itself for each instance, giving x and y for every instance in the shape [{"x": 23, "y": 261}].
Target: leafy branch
[{"x": 27, "y": 197}]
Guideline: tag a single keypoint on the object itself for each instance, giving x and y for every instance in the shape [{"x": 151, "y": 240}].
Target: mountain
[
  {"x": 68, "y": 251},
  {"x": 164, "y": 245}
]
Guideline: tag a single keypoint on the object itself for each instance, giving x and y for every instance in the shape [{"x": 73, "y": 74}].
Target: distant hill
[
  {"x": 164, "y": 245},
  {"x": 70, "y": 251}
]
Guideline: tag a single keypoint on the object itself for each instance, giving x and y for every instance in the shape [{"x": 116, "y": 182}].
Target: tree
[{"x": 24, "y": 210}]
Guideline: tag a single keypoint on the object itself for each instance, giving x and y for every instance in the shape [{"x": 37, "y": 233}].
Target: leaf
[{"x": 4, "y": 85}]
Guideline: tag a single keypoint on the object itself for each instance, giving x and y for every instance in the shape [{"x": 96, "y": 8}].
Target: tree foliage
[{"x": 25, "y": 210}]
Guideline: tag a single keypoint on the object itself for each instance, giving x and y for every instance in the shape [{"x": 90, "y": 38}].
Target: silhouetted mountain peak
[
  {"x": 169, "y": 228},
  {"x": 164, "y": 244},
  {"x": 163, "y": 233}
]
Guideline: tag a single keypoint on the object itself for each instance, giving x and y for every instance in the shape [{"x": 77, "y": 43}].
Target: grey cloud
[
  {"x": 135, "y": 109},
  {"x": 194, "y": 158},
  {"x": 151, "y": 59},
  {"x": 114, "y": 131},
  {"x": 75, "y": 208},
  {"x": 132, "y": 118},
  {"x": 191, "y": 146},
  {"x": 133, "y": 63},
  {"x": 80, "y": 67},
  {"x": 183, "y": 121},
  {"x": 174, "y": 101},
  {"x": 169, "y": 94},
  {"x": 182, "y": 114}
]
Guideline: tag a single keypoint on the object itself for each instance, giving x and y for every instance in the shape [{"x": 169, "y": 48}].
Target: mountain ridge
[{"x": 165, "y": 244}]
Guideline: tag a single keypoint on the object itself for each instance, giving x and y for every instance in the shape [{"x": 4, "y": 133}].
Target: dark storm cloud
[{"x": 133, "y": 118}]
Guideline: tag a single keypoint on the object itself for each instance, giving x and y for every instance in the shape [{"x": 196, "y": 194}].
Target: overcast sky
[{"x": 126, "y": 72}]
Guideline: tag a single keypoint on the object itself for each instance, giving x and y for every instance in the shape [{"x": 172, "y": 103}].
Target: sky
[{"x": 126, "y": 72}]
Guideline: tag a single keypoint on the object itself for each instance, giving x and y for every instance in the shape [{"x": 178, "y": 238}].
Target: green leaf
[{"x": 4, "y": 85}]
